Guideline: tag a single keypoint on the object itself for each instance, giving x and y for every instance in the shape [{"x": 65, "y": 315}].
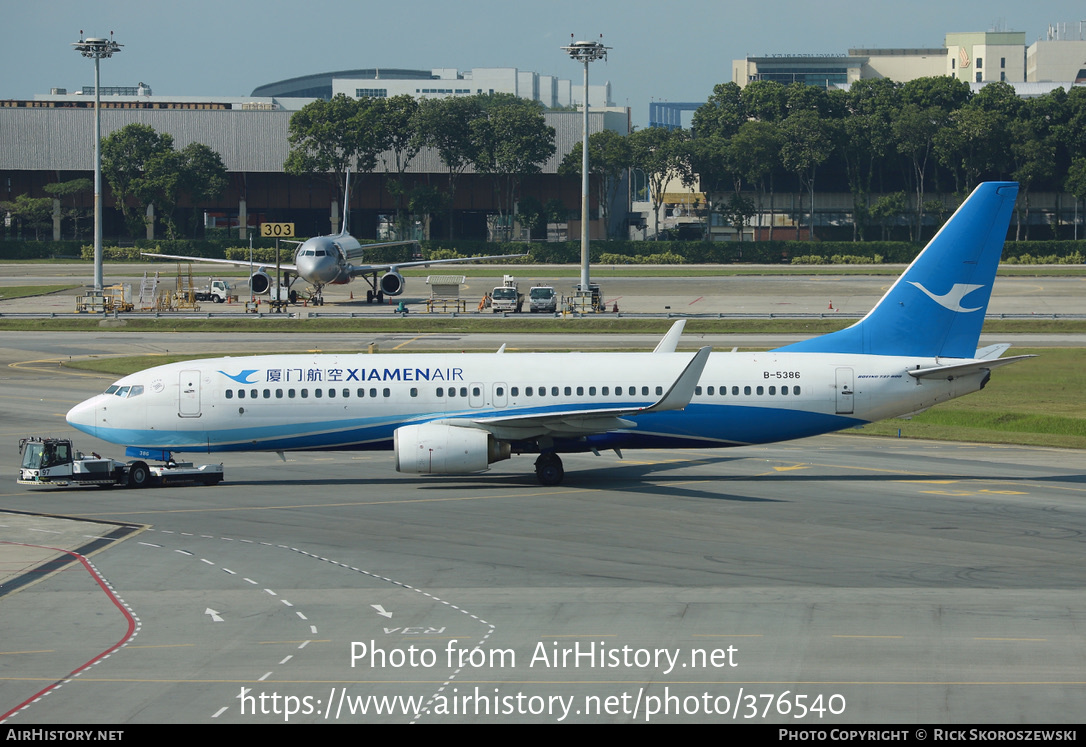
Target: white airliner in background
[
  {"x": 328, "y": 260},
  {"x": 458, "y": 413}
]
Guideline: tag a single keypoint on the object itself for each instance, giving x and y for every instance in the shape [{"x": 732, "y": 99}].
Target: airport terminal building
[
  {"x": 50, "y": 139},
  {"x": 977, "y": 58}
]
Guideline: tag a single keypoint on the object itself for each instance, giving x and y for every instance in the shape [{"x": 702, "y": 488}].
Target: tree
[
  {"x": 1075, "y": 183},
  {"x": 203, "y": 177},
  {"x": 915, "y": 129},
  {"x": 446, "y": 126},
  {"x": 765, "y": 100},
  {"x": 868, "y": 130},
  {"x": 711, "y": 163},
  {"x": 658, "y": 153},
  {"x": 722, "y": 114},
  {"x": 886, "y": 209},
  {"x": 141, "y": 166},
  {"x": 756, "y": 151},
  {"x": 71, "y": 188},
  {"x": 336, "y": 135},
  {"x": 807, "y": 140},
  {"x": 530, "y": 214},
  {"x": 398, "y": 117},
  {"x": 512, "y": 139},
  {"x": 609, "y": 159},
  {"x": 555, "y": 211},
  {"x": 31, "y": 212}
]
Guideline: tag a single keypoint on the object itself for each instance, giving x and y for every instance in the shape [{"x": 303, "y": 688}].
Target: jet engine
[
  {"x": 435, "y": 449},
  {"x": 260, "y": 282},
  {"x": 392, "y": 283}
]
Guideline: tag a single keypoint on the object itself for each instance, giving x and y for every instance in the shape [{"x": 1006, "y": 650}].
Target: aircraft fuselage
[{"x": 349, "y": 402}]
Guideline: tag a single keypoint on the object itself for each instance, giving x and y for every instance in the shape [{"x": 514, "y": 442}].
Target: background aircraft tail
[{"x": 937, "y": 306}]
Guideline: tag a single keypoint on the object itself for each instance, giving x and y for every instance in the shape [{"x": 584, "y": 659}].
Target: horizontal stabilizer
[
  {"x": 955, "y": 370},
  {"x": 992, "y": 351}
]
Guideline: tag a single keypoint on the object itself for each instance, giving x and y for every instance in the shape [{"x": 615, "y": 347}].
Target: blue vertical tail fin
[{"x": 936, "y": 308}]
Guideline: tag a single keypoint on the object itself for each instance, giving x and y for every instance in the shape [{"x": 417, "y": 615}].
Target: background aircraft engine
[
  {"x": 260, "y": 282},
  {"x": 435, "y": 449},
  {"x": 392, "y": 283}
]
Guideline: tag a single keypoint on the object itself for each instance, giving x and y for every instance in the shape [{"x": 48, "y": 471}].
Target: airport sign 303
[{"x": 276, "y": 230}]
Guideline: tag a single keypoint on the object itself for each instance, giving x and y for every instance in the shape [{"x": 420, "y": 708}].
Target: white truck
[
  {"x": 216, "y": 290},
  {"x": 542, "y": 298},
  {"x": 53, "y": 461},
  {"x": 507, "y": 296}
]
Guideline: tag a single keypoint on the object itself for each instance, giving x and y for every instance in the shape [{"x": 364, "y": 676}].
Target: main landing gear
[
  {"x": 378, "y": 296},
  {"x": 548, "y": 469}
]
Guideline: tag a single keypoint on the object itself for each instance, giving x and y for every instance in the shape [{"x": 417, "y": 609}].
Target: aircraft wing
[
  {"x": 367, "y": 269},
  {"x": 232, "y": 262},
  {"x": 582, "y": 422}
]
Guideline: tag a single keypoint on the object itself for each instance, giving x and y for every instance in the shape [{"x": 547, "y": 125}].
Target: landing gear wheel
[
  {"x": 138, "y": 475},
  {"x": 380, "y": 297},
  {"x": 369, "y": 296},
  {"x": 548, "y": 469}
]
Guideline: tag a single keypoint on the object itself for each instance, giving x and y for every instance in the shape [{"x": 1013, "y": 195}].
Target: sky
[{"x": 670, "y": 51}]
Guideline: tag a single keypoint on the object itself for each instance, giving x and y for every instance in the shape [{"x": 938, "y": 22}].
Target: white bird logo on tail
[{"x": 952, "y": 299}]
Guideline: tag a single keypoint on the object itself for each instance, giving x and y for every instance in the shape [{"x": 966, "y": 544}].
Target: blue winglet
[{"x": 937, "y": 307}]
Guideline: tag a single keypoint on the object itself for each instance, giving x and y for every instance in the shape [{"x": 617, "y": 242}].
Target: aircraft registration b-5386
[
  {"x": 328, "y": 260},
  {"x": 458, "y": 413}
]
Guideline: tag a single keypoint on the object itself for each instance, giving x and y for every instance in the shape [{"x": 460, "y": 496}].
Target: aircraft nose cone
[
  {"x": 81, "y": 416},
  {"x": 306, "y": 267}
]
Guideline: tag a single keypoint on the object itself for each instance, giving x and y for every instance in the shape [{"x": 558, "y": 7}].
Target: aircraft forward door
[
  {"x": 845, "y": 392},
  {"x": 188, "y": 394}
]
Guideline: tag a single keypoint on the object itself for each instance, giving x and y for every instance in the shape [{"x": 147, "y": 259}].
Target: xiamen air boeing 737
[{"x": 457, "y": 413}]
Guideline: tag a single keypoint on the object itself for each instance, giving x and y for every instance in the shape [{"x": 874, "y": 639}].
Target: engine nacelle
[
  {"x": 260, "y": 282},
  {"x": 435, "y": 449},
  {"x": 392, "y": 283}
]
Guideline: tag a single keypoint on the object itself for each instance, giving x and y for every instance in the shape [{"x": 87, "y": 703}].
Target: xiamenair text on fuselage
[{"x": 458, "y": 413}]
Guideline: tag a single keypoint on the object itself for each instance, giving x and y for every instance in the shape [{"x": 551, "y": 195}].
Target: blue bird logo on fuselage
[{"x": 241, "y": 378}]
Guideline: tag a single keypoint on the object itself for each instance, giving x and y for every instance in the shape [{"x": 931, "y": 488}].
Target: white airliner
[
  {"x": 458, "y": 413},
  {"x": 328, "y": 260}
]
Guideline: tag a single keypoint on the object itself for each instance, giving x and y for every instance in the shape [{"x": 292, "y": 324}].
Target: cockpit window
[
  {"x": 319, "y": 253},
  {"x": 126, "y": 391}
]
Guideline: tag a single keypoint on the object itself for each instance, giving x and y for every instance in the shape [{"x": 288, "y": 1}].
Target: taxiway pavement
[{"x": 853, "y": 579}]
